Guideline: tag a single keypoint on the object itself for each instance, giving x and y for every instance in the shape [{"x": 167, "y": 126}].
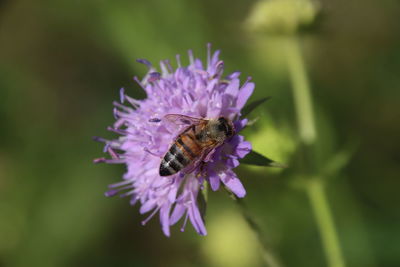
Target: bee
[{"x": 191, "y": 147}]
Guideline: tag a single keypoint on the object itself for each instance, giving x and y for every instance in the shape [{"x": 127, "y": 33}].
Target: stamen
[
  {"x": 144, "y": 61},
  {"x": 115, "y": 113},
  {"x": 99, "y": 160},
  {"x": 151, "y": 216},
  {"x": 99, "y": 139},
  {"x": 120, "y": 184},
  {"x": 184, "y": 222},
  {"x": 164, "y": 68},
  {"x": 168, "y": 64},
  {"x": 127, "y": 193},
  {"x": 178, "y": 60},
  {"x": 208, "y": 55},
  {"x": 136, "y": 79},
  {"x": 105, "y": 148},
  {"x": 112, "y": 161},
  {"x": 118, "y": 131},
  {"x": 135, "y": 103},
  {"x": 127, "y": 109},
  {"x": 112, "y": 153},
  {"x": 191, "y": 59},
  {"x": 154, "y": 76},
  {"x": 122, "y": 95},
  {"x": 120, "y": 122},
  {"x": 247, "y": 80},
  {"x": 121, "y": 116},
  {"x": 111, "y": 193}
]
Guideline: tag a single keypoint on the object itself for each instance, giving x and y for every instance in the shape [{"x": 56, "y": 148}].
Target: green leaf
[
  {"x": 250, "y": 107},
  {"x": 339, "y": 160},
  {"x": 255, "y": 158}
]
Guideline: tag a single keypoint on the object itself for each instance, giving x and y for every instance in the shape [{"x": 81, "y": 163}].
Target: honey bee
[{"x": 191, "y": 147}]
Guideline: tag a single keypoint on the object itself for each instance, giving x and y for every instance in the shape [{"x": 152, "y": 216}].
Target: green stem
[
  {"x": 267, "y": 255},
  {"x": 301, "y": 92},
  {"x": 323, "y": 216},
  {"x": 308, "y": 136}
]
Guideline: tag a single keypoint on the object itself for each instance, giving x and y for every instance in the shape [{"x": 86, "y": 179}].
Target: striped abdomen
[{"x": 184, "y": 151}]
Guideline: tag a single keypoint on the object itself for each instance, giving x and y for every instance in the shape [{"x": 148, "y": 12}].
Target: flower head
[{"x": 145, "y": 137}]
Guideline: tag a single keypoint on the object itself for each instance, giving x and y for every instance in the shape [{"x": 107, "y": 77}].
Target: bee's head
[{"x": 225, "y": 126}]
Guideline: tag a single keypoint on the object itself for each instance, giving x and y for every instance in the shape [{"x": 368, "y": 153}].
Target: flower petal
[
  {"x": 177, "y": 213},
  {"x": 233, "y": 75},
  {"x": 196, "y": 220},
  {"x": 233, "y": 183},
  {"x": 214, "y": 180},
  {"x": 244, "y": 94},
  {"x": 164, "y": 219},
  {"x": 233, "y": 88},
  {"x": 147, "y": 206},
  {"x": 239, "y": 125},
  {"x": 243, "y": 149}
]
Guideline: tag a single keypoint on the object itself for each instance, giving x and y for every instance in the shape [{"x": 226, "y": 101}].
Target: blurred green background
[{"x": 61, "y": 66}]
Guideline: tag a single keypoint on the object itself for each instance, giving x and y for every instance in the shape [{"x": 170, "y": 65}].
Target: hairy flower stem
[
  {"x": 267, "y": 255},
  {"x": 308, "y": 135}
]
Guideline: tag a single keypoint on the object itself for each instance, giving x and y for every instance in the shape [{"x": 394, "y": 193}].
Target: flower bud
[{"x": 282, "y": 16}]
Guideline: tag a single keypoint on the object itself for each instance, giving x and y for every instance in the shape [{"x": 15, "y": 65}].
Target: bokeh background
[{"x": 61, "y": 66}]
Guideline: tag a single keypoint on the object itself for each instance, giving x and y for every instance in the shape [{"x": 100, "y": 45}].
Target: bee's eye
[
  {"x": 226, "y": 128},
  {"x": 222, "y": 120},
  {"x": 222, "y": 127}
]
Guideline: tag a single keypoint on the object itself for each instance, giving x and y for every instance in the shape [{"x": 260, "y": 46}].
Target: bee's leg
[
  {"x": 209, "y": 154},
  {"x": 203, "y": 171},
  {"x": 191, "y": 167},
  {"x": 205, "y": 158},
  {"x": 200, "y": 172}
]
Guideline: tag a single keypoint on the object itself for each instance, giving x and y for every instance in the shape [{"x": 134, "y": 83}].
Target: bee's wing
[
  {"x": 179, "y": 119},
  {"x": 197, "y": 162}
]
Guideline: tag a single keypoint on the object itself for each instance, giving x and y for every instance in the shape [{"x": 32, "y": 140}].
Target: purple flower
[{"x": 194, "y": 90}]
